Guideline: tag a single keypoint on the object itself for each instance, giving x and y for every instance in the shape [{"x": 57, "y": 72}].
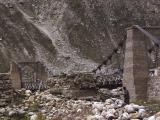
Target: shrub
[
  {"x": 16, "y": 117},
  {"x": 34, "y": 107},
  {"x": 40, "y": 116}
]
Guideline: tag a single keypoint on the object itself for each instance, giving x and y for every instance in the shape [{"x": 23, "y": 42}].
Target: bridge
[
  {"x": 140, "y": 62},
  {"x": 137, "y": 66},
  {"x": 141, "y": 54}
]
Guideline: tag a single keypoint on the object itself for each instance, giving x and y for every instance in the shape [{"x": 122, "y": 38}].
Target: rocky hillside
[
  {"x": 21, "y": 40},
  {"x": 68, "y": 35}
]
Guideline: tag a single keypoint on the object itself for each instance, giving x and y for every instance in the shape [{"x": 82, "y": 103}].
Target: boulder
[
  {"x": 98, "y": 105},
  {"x": 119, "y": 103},
  {"x": 95, "y": 111},
  {"x": 111, "y": 106},
  {"x": 109, "y": 101},
  {"x": 152, "y": 118},
  {"x": 31, "y": 99},
  {"x": 30, "y": 113},
  {"x": 157, "y": 118},
  {"x": 95, "y": 117},
  {"x": 2, "y": 110},
  {"x": 28, "y": 92},
  {"x": 142, "y": 113},
  {"x": 104, "y": 113},
  {"x": 34, "y": 117},
  {"x": 137, "y": 107},
  {"x": 21, "y": 112},
  {"x": 125, "y": 116},
  {"x": 43, "y": 111},
  {"x": 157, "y": 114},
  {"x": 129, "y": 108},
  {"x": 109, "y": 115},
  {"x": 12, "y": 113},
  {"x": 79, "y": 110}
]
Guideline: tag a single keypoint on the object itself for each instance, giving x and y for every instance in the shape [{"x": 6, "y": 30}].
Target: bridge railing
[
  {"x": 109, "y": 58},
  {"x": 155, "y": 44}
]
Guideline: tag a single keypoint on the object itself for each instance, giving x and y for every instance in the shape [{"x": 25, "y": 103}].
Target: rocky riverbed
[{"x": 46, "y": 106}]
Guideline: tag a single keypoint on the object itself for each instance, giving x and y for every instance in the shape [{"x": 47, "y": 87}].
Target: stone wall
[
  {"x": 6, "y": 91},
  {"x": 154, "y": 86},
  {"x": 32, "y": 74},
  {"x": 27, "y": 75}
]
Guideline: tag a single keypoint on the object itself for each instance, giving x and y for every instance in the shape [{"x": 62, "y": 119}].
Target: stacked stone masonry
[
  {"x": 6, "y": 91},
  {"x": 136, "y": 65},
  {"x": 154, "y": 85},
  {"x": 153, "y": 89}
]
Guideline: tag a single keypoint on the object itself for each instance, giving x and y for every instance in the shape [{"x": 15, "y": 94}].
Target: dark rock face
[{"x": 83, "y": 32}]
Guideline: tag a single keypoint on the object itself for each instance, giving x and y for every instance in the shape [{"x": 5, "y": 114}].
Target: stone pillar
[
  {"x": 15, "y": 76},
  {"x": 136, "y": 69}
]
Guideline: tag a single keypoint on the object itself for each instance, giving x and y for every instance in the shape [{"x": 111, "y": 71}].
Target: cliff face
[{"x": 69, "y": 35}]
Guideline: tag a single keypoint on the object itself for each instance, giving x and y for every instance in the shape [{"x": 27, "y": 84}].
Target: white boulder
[
  {"x": 98, "y": 105},
  {"x": 125, "y": 116},
  {"x": 2, "y": 110},
  {"x": 109, "y": 115},
  {"x": 28, "y": 92},
  {"x": 95, "y": 111},
  {"x": 142, "y": 113},
  {"x": 21, "y": 111},
  {"x": 152, "y": 118},
  {"x": 95, "y": 117},
  {"x": 11, "y": 113},
  {"x": 33, "y": 117},
  {"x": 157, "y": 118},
  {"x": 104, "y": 113},
  {"x": 119, "y": 103},
  {"x": 137, "y": 107},
  {"x": 129, "y": 108}
]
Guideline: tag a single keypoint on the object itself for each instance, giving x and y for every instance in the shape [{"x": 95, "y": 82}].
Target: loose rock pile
[
  {"x": 155, "y": 117},
  {"x": 110, "y": 78},
  {"x": 116, "y": 109},
  {"x": 59, "y": 108},
  {"x": 50, "y": 106},
  {"x": 79, "y": 81},
  {"x": 105, "y": 93},
  {"x": 75, "y": 97}
]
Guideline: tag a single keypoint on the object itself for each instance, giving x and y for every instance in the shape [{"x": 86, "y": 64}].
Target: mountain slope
[{"x": 70, "y": 35}]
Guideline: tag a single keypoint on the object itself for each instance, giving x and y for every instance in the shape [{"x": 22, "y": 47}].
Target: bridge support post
[
  {"x": 15, "y": 76},
  {"x": 135, "y": 75}
]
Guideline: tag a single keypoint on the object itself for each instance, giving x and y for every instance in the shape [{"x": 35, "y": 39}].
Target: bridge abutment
[{"x": 136, "y": 65}]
